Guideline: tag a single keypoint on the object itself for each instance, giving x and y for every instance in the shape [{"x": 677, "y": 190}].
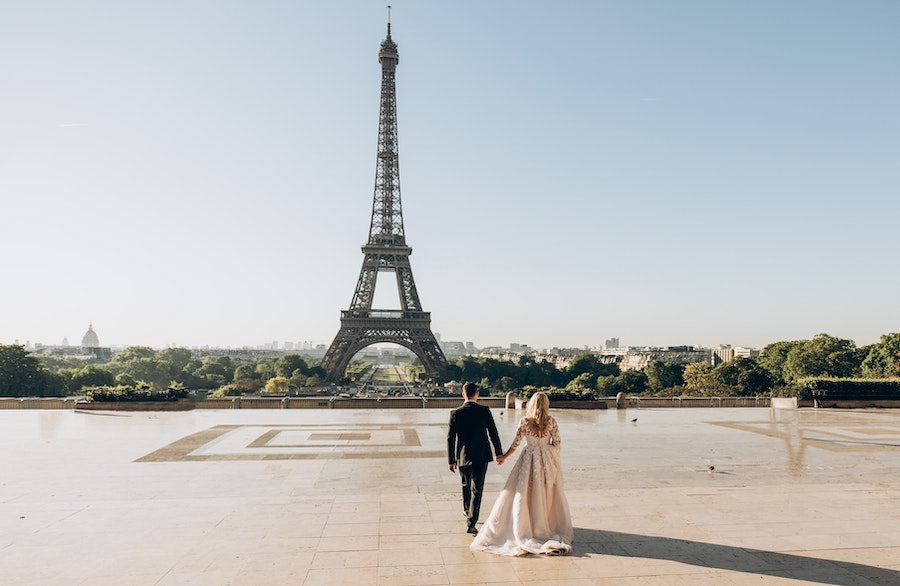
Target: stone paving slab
[{"x": 365, "y": 497}]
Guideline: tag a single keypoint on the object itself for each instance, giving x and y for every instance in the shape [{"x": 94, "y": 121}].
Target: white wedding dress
[{"x": 531, "y": 514}]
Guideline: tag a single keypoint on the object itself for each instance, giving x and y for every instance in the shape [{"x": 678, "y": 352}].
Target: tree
[
  {"x": 298, "y": 379},
  {"x": 135, "y": 352},
  {"x": 883, "y": 359},
  {"x": 664, "y": 375},
  {"x": 539, "y": 374},
  {"x": 507, "y": 383},
  {"x": 590, "y": 363},
  {"x": 215, "y": 371},
  {"x": 452, "y": 372},
  {"x": 287, "y": 364},
  {"x": 741, "y": 376},
  {"x": 492, "y": 369},
  {"x": 21, "y": 374},
  {"x": 176, "y": 358},
  {"x": 90, "y": 376},
  {"x": 246, "y": 371},
  {"x": 582, "y": 364},
  {"x": 277, "y": 384},
  {"x": 265, "y": 369},
  {"x": 633, "y": 381},
  {"x": 144, "y": 364},
  {"x": 125, "y": 380},
  {"x": 149, "y": 370},
  {"x": 55, "y": 385},
  {"x": 697, "y": 378},
  {"x": 56, "y": 363},
  {"x": 824, "y": 355},
  {"x": 584, "y": 381},
  {"x": 608, "y": 386},
  {"x": 470, "y": 369},
  {"x": 726, "y": 374},
  {"x": 773, "y": 357},
  {"x": 754, "y": 379}
]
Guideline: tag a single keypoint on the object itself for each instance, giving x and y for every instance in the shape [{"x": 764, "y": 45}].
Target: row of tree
[
  {"x": 780, "y": 365},
  {"x": 504, "y": 375},
  {"x": 828, "y": 356},
  {"x": 25, "y": 374}
]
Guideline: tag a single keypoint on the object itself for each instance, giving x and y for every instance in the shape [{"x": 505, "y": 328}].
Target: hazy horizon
[
  {"x": 76, "y": 341},
  {"x": 696, "y": 173}
]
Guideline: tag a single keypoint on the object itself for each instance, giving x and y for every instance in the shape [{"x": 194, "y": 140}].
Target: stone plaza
[{"x": 296, "y": 496}]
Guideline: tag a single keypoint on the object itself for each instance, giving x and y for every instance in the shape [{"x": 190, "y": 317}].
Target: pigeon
[{"x": 634, "y": 420}]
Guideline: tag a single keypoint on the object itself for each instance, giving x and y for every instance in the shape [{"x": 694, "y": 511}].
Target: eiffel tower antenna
[{"x": 385, "y": 251}]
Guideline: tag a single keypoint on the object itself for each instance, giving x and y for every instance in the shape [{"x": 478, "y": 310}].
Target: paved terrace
[{"x": 364, "y": 497}]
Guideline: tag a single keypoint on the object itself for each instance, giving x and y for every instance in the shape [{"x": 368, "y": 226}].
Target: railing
[
  {"x": 385, "y": 314},
  {"x": 633, "y": 402},
  {"x": 695, "y": 402},
  {"x": 38, "y": 403},
  {"x": 343, "y": 403}
]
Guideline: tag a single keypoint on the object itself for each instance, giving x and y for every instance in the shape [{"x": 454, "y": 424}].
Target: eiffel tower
[{"x": 385, "y": 251}]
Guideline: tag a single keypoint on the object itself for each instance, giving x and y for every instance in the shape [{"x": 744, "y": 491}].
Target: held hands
[{"x": 502, "y": 457}]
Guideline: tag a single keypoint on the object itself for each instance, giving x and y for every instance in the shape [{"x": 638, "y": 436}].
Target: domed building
[
  {"x": 90, "y": 347},
  {"x": 90, "y": 339}
]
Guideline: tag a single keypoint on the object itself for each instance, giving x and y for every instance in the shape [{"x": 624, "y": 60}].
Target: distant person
[
  {"x": 531, "y": 514},
  {"x": 472, "y": 432}
]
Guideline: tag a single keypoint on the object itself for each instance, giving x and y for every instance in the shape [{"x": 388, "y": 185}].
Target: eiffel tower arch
[{"x": 385, "y": 251}]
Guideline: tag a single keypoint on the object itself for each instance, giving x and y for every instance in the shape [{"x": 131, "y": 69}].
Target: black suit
[{"x": 471, "y": 426}]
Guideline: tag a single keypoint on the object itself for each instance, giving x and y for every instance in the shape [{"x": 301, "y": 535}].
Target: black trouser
[{"x": 472, "y": 489}]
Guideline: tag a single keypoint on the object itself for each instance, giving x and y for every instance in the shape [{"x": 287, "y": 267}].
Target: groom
[{"x": 468, "y": 449}]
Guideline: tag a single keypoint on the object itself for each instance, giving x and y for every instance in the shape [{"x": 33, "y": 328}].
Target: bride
[{"x": 531, "y": 514}]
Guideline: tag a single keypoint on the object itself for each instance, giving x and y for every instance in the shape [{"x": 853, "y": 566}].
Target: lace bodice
[{"x": 534, "y": 436}]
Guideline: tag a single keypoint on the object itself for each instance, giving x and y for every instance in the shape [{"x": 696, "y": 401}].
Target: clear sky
[{"x": 691, "y": 172}]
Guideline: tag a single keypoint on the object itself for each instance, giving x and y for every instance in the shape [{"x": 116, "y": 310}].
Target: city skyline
[
  {"x": 695, "y": 174},
  {"x": 316, "y": 345}
]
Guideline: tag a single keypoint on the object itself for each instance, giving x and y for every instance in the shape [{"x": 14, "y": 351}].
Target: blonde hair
[{"x": 538, "y": 410}]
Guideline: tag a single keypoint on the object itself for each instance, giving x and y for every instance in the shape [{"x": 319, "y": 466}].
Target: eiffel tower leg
[{"x": 336, "y": 359}]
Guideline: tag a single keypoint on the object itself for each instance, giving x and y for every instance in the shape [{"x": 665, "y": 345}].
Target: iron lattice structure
[{"x": 385, "y": 251}]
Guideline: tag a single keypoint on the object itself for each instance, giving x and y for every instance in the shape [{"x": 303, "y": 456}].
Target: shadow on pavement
[{"x": 725, "y": 557}]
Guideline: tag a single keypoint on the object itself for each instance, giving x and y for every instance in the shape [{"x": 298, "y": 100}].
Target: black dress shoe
[{"x": 472, "y": 530}]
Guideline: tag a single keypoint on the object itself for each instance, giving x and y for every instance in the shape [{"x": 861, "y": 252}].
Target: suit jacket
[{"x": 470, "y": 428}]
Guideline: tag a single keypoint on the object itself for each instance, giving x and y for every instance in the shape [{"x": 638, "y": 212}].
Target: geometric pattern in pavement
[{"x": 304, "y": 442}]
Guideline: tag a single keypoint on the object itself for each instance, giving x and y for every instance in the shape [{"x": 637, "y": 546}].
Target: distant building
[
  {"x": 454, "y": 349},
  {"x": 90, "y": 339},
  {"x": 724, "y": 353},
  {"x": 638, "y": 358},
  {"x": 515, "y": 348},
  {"x": 741, "y": 352},
  {"x": 89, "y": 350},
  {"x": 611, "y": 343}
]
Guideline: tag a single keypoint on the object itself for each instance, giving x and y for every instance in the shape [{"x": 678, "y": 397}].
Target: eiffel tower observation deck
[{"x": 386, "y": 251}]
